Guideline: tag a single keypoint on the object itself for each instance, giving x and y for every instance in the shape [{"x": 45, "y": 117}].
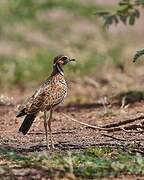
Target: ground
[
  {"x": 67, "y": 134},
  {"x": 70, "y": 136}
]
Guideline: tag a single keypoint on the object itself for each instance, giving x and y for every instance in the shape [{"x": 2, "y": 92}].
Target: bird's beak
[{"x": 71, "y": 59}]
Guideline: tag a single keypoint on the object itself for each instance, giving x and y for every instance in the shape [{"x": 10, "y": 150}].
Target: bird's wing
[{"x": 33, "y": 104}]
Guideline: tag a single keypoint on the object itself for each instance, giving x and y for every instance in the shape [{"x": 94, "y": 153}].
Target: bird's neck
[{"x": 57, "y": 70}]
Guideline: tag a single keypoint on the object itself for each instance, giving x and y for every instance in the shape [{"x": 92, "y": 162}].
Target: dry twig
[
  {"x": 123, "y": 122},
  {"x": 111, "y": 127},
  {"x": 85, "y": 124}
]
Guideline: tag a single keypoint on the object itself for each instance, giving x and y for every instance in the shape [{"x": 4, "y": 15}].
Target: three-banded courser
[{"x": 51, "y": 93}]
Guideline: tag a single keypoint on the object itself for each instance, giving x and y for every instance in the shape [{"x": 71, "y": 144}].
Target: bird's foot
[
  {"x": 48, "y": 146},
  {"x": 52, "y": 145}
]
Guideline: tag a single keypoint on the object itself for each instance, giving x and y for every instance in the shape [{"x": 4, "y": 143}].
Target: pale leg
[
  {"x": 49, "y": 125},
  {"x": 46, "y": 130}
]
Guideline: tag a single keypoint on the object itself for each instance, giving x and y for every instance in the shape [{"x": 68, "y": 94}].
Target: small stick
[
  {"x": 95, "y": 127},
  {"x": 88, "y": 125},
  {"x": 123, "y": 122}
]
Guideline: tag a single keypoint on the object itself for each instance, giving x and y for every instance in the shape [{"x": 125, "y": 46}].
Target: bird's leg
[
  {"x": 46, "y": 130},
  {"x": 49, "y": 125}
]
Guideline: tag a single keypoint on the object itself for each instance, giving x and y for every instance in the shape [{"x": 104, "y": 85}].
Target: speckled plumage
[{"x": 50, "y": 94}]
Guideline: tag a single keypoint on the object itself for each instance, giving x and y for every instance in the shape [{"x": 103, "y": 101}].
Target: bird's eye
[{"x": 64, "y": 58}]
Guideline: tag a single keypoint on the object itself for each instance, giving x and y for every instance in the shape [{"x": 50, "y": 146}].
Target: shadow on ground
[
  {"x": 130, "y": 97},
  {"x": 58, "y": 147}
]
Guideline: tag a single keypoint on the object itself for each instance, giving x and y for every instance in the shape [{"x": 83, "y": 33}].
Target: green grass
[
  {"x": 89, "y": 163},
  {"x": 34, "y": 41},
  {"x": 35, "y": 63},
  {"x": 28, "y": 8},
  {"x": 36, "y": 67},
  {"x": 18, "y": 72},
  {"x": 21, "y": 10}
]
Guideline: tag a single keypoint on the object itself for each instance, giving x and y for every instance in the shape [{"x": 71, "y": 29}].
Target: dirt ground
[{"x": 71, "y": 135}]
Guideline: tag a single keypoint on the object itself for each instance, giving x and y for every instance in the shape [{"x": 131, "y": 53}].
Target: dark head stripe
[{"x": 58, "y": 57}]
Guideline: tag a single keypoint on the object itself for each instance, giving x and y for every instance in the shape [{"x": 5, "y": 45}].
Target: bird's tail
[{"x": 29, "y": 119}]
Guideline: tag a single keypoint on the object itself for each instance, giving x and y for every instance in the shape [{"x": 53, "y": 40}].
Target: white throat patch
[{"x": 60, "y": 70}]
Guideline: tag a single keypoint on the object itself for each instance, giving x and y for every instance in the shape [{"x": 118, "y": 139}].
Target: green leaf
[
  {"x": 108, "y": 20},
  {"x": 137, "y": 13},
  {"x": 123, "y": 18},
  {"x": 123, "y": 8},
  {"x": 115, "y": 19},
  {"x": 132, "y": 19}
]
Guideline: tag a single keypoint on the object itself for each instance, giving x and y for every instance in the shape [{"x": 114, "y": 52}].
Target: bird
[{"x": 46, "y": 98}]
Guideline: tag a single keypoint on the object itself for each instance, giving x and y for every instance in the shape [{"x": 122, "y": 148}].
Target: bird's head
[{"x": 61, "y": 60}]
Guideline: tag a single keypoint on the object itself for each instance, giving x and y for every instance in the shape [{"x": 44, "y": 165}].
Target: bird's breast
[{"x": 56, "y": 92}]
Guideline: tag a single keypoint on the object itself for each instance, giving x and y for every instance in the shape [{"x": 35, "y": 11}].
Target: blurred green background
[{"x": 32, "y": 32}]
